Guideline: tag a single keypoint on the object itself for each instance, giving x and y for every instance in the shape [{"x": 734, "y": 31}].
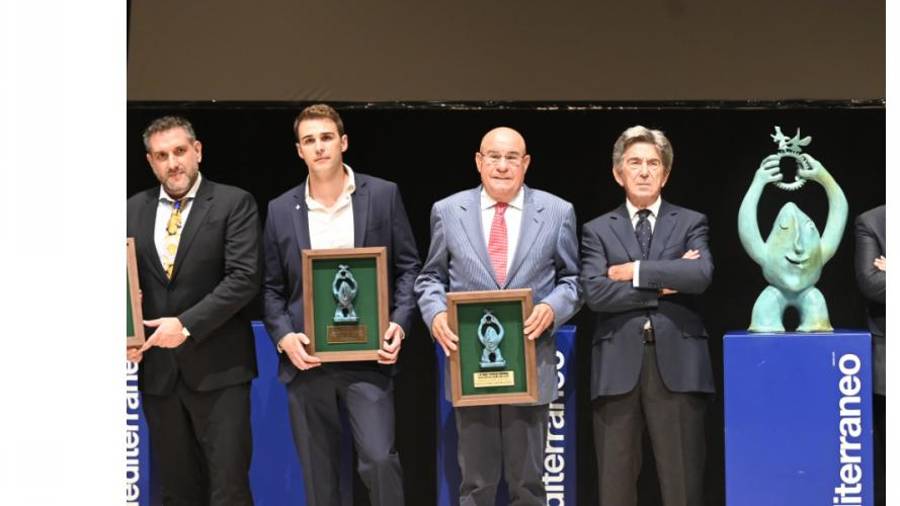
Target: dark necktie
[{"x": 643, "y": 233}]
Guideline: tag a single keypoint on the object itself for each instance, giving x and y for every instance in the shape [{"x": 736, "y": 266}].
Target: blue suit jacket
[
  {"x": 379, "y": 219},
  {"x": 681, "y": 339},
  {"x": 545, "y": 260}
]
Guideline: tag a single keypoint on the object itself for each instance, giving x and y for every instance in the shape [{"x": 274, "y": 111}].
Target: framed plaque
[
  {"x": 495, "y": 363},
  {"x": 345, "y": 302},
  {"x": 134, "y": 320}
]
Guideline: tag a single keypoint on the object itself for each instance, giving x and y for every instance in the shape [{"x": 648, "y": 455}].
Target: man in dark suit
[
  {"x": 337, "y": 208},
  {"x": 871, "y": 270},
  {"x": 502, "y": 235},
  {"x": 197, "y": 246},
  {"x": 642, "y": 266}
]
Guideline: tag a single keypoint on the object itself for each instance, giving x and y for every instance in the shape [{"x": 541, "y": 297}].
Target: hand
[
  {"x": 393, "y": 340},
  {"x": 541, "y": 317},
  {"x": 442, "y": 333},
  {"x": 621, "y": 272},
  {"x": 769, "y": 170},
  {"x": 294, "y": 345},
  {"x": 134, "y": 355},
  {"x": 667, "y": 291},
  {"x": 168, "y": 334},
  {"x": 881, "y": 263},
  {"x": 816, "y": 171}
]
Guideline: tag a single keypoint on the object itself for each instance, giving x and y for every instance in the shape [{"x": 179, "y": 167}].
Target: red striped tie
[{"x": 497, "y": 242}]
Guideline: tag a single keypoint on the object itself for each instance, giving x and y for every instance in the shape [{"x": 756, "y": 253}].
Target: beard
[{"x": 179, "y": 184}]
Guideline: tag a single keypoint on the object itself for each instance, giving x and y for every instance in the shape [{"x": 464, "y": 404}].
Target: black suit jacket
[
  {"x": 681, "y": 339},
  {"x": 379, "y": 219},
  {"x": 216, "y": 274},
  {"x": 870, "y": 244}
]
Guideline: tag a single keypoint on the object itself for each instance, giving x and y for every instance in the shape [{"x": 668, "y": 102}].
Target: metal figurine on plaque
[
  {"x": 793, "y": 255},
  {"x": 344, "y": 289},
  {"x": 490, "y": 333}
]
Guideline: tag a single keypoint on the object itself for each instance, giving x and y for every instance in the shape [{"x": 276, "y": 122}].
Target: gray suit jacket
[
  {"x": 681, "y": 347},
  {"x": 870, "y": 244},
  {"x": 545, "y": 260}
]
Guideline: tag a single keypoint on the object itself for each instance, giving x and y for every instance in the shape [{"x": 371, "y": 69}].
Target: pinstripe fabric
[{"x": 545, "y": 260}]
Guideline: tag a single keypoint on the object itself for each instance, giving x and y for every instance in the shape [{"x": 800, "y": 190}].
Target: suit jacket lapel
[
  {"x": 470, "y": 216},
  {"x": 300, "y": 220},
  {"x": 360, "y": 199},
  {"x": 665, "y": 223},
  {"x": 195, "y": 220},
  {"x": 147, "y": 238},
  {"x": 621, "y": 226},
  {"x": 528, "y": 232}
]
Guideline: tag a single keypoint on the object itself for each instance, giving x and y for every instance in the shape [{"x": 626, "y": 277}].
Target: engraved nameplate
[
  {"x": 487, "y": 379},
  {"x": 347, "y": 334}
]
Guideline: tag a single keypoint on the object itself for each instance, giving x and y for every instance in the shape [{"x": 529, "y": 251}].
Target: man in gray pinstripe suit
[{"x": 502, "y": 235}]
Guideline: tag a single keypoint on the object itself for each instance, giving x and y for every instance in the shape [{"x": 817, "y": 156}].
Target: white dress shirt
[
  {"x": 633, "y": 212},
  {"x": 513, "y": 217},
  {"x": 332, "y": 227},
  {"x": 164, "y": 212}
]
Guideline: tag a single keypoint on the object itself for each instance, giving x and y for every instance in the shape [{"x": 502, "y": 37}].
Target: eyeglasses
[
  {"x": 494, "y": 158},
  {"x": 636, "y": 164}
]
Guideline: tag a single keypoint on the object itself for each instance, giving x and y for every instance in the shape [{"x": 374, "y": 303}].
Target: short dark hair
[
  {"x": 167, "y": 123},
  {"x": 319, "y": 111}
]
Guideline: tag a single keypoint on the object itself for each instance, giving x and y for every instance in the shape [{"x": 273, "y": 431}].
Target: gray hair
[
  {"x": 639, "y": 133},
  {"x": 167, "y": 123}
]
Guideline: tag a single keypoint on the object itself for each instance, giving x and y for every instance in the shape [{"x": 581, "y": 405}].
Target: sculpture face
[{"x": 793, "y": 251}]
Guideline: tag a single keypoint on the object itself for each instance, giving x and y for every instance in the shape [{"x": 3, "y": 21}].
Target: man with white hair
[{"x": 642, "y": 266}]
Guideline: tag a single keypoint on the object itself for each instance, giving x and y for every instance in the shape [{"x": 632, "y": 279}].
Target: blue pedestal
[
  {"x": 798, "y": 418},
  {"x": 276, "y": 475},
  {"x": 559, "y": 455}
]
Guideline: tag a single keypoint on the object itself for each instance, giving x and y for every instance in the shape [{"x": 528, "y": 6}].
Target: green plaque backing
[
  {"x": 366, "y": 303},
  {"x": 129, "y": 316},
  {"x": 512, "y": 347}
]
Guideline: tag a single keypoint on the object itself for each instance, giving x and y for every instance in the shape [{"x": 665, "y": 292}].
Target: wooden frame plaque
[
  {"x": 134, "y": 334},
  {"x": 345, "y": 302},
  {"x": 495, "y": 363}
]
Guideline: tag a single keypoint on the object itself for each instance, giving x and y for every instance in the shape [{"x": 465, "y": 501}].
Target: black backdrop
[{"x": 428, "y": 149}]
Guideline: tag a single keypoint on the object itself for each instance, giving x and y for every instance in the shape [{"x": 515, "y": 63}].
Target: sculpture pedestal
[{"x": 798, "y": 418}]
